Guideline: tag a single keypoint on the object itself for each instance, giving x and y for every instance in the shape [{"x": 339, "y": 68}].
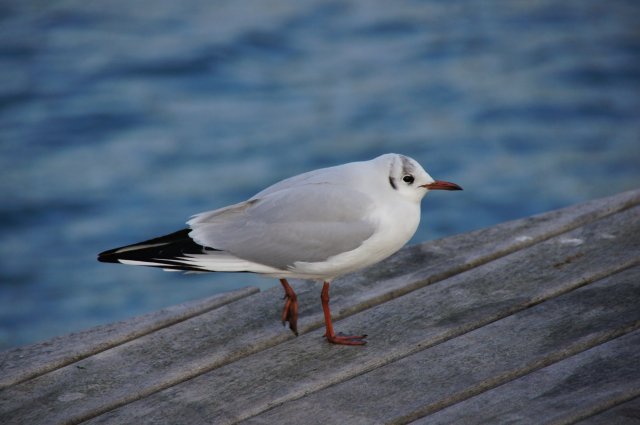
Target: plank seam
[
  {"x": 462, "y": 331},
  {"x": 579, "y": 221},
  {"x": 513, "y": 375},
  {"x": 447, "y": 337},
  {"x": 599, "y": 408},
  {"x": 120, "y": 341}
]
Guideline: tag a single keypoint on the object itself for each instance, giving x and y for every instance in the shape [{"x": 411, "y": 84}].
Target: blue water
[{"x": 118, "y": 120}]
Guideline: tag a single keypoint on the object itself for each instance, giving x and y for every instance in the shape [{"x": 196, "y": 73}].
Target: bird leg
[
  {"x": 290, "y": 310},
  {"x": 330, "y": 334}
]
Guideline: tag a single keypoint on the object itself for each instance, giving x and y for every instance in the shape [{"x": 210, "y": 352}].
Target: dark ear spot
[{"x": 392, "y": 182}]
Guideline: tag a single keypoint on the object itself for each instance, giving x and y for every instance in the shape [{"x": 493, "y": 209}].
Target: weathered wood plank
[
  {"x": 564, "y": 392},
  {"x": 627, "y": 413},
  {"x": 445, "y": 374},
  {"x": 23, "y": 363},
  {"x": 172, "y": 355},
  {"x": 400, "y": 327}
]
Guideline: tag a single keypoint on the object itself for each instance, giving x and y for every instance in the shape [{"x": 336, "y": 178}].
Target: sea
[{"x": 121, "y": 119}]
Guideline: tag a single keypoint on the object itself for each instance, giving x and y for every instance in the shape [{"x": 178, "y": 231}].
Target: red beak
[{"x": 442, "y": 185}]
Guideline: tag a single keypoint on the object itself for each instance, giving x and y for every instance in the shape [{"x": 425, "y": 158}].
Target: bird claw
[
  {"x": 342, "y": 339},
  {"x": 290, "y": 314},
  {"x": 290, "y": 309}
]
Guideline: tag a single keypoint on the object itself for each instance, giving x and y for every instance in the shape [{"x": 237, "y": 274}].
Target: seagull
[{"x": 318, "y": 225}]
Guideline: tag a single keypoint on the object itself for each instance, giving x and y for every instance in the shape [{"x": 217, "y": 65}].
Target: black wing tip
[
  {"x": 123, "y": 252},
  {"x": 162, "y": 251},
  {"x": 108, "y": 256}
]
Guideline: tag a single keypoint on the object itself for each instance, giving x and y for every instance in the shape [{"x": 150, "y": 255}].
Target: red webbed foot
[
  {"x": 341, "y": 339},
  {"x": 331, "y": 336}
]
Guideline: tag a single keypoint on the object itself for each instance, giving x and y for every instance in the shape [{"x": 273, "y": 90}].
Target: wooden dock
[{"x": 531, "y": 321}]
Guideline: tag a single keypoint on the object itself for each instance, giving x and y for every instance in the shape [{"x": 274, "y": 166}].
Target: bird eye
[{"x": 408, "y": 179}]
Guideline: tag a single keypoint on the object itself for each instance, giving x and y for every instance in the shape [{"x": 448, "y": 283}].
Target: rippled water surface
[{"x": 118, "y": 120}]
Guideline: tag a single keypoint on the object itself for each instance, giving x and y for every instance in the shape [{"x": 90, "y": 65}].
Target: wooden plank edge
[
  {"x": 579, "y": 281},
  {"x": 545, "y": 391},
  {"x": 624, "y": 410},
  {"x": 23, "y": 363},
  {"x": 573, "y": 216},
  {"x": 487, "y": 385},
  {"x": 570, "y": 218},
  {"x": 490, "y": 384},
  {"x": 278, "y": 409},
  {"x": 275, "y": 341}
]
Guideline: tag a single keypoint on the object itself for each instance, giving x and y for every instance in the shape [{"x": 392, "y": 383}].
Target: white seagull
[{"x": 318, "y": 225}]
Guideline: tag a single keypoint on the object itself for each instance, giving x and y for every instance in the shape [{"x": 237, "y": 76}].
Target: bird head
[{"x": 411, "y": 180}]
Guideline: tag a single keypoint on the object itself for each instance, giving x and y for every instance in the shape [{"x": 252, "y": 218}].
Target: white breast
[{"x": 396, "y": 223}]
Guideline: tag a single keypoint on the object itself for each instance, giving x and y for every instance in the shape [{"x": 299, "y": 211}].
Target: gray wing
[{"x": 304, "y": 223}]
